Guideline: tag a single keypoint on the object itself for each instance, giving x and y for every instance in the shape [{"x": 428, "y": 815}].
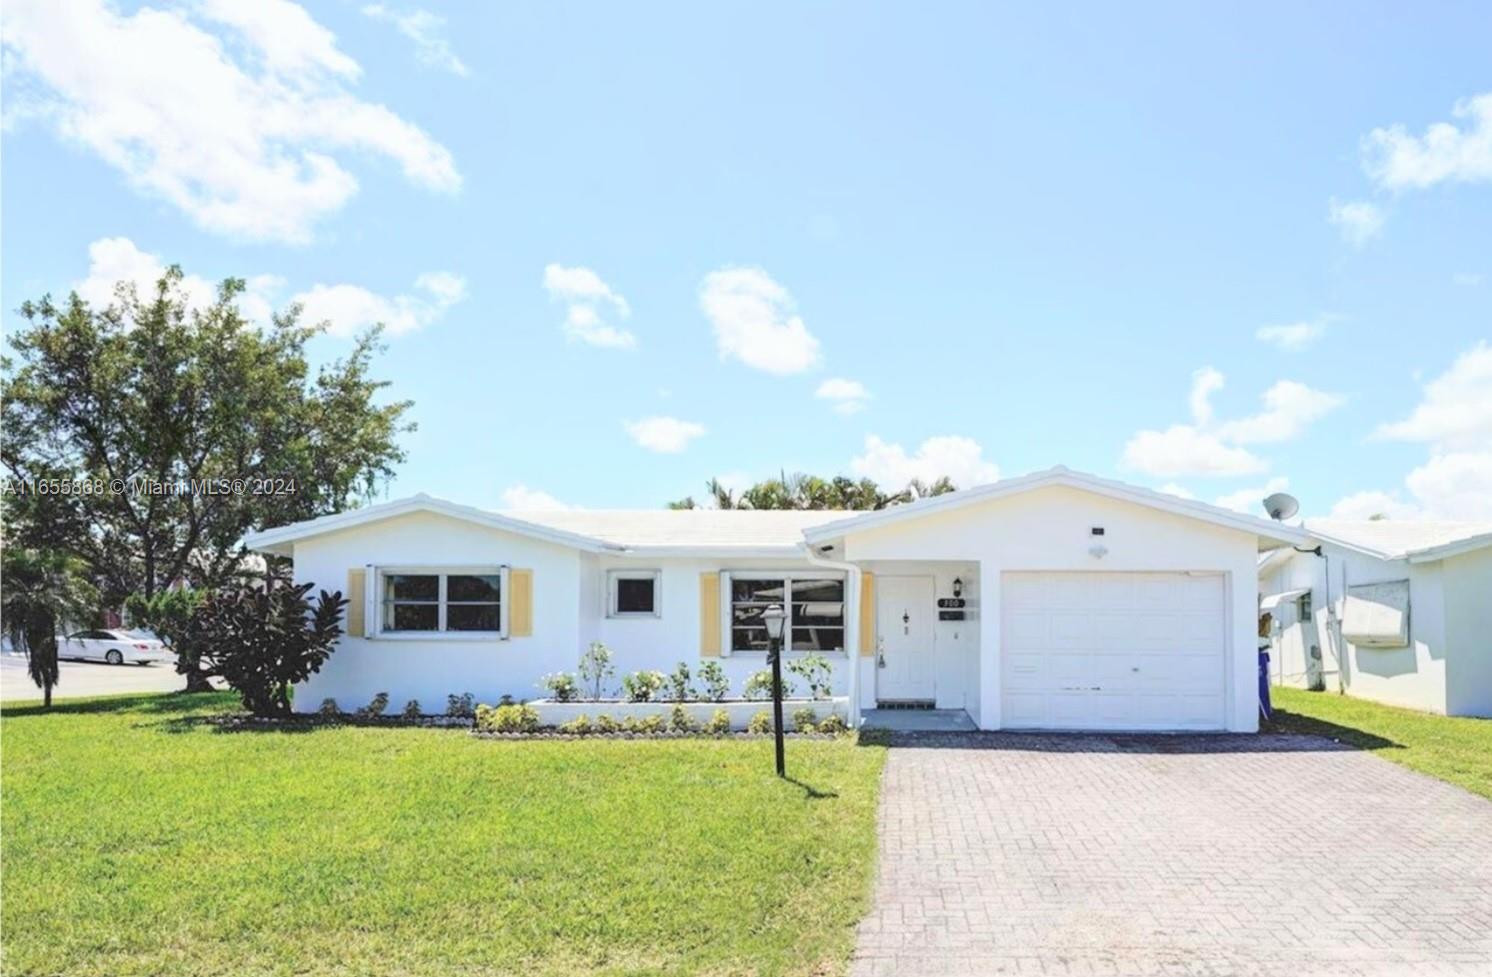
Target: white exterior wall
[
  {"x": 570, "y": 604},
  {"x": 1048, "y": 529},
  {"x": 430, "y": 667},
  {"x": 1467, "y": 581},
  {"x": 955, "y": 651}
]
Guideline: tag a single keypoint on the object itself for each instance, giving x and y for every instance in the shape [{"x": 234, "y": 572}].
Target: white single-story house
[
  {"x": 1395, "y": 611},
  {"x": 1056, "y": 600}
]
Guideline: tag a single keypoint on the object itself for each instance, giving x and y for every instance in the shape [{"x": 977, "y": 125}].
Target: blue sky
[{"x": 623, "y": 250}]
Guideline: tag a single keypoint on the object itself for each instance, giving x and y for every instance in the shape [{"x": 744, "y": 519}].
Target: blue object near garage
[{"x": 1265, "y": 709}]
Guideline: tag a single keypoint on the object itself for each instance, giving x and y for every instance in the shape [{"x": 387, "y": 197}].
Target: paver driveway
[{"x": 1258, "y": 856}]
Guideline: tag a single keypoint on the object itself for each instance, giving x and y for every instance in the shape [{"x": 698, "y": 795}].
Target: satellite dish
[{"x": 1281, "y": 506}]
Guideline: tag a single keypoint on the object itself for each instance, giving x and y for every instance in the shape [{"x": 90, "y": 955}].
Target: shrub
[
  {"x": 263, "y": 642},
  {"x": 329, "y": 709},
  {"x": 375, "y": 708},
  {"x": 651, "y": 725},
  {"x": 834, "y": 725},
  {"x": 681, "y": 722},
  {"x": 605, "y": 724},
  {"x": 461, "y": 706},
  {"x": 679, "y": 683},
  {"x": 579, "y": 726},
  {"x": 719, "y": 723},
  {"x": 507, "y": 719},
  {"x": 816, "y": 673},
  {"x": 595, "y": 668},
  {"x": 642, "y": 686},
  {"x": 412, "y": 709},
  {"x": 714, "y": 683},
  {"x": 759, "y": 686},
  {"x": 561, "y": 686},
  {"x": 803, "y": 720},
  {"x": 760, "y": 723}
]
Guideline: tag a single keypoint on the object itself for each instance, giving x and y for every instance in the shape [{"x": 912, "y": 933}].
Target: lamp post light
[{"x": 774, "y": 617}]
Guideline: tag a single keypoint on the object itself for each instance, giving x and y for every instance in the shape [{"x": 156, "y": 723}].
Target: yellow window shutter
[
  {"x": 353, "y": 625},
  {"x": 867, "y": 613},
  {"x": 709, "y": 615},
  {"x": 521, "y": 603}
]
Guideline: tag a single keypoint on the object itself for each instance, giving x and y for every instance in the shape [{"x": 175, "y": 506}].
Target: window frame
[
  {"x": 376, "y": 603},
  {"x": 615, "y": 575},
  {"x": 788, "y": 577}
]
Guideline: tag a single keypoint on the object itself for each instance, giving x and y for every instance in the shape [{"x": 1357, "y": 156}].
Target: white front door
[
  {"x": 1112, "y": 651},
  {"x": 905, "y": 610}
]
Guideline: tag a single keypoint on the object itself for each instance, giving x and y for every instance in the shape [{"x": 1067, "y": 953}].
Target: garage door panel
[{"x": 1113, "y": 651}]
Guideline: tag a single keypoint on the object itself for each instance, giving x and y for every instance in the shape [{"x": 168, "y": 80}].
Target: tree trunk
[
  {"x": 197, "y": 681},
  {"x": 46, "y": 696}
]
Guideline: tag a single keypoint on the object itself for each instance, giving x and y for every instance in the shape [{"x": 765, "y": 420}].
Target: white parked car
[{"x": 115, "y": 647}]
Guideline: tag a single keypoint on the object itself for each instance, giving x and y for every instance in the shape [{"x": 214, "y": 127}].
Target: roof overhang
[
  {"x": 1270, "y": 601},
  {"x": 1270, "y": 534},
  {"x": 1444, "y": 550},
  {"x": 281, "y": 540}
]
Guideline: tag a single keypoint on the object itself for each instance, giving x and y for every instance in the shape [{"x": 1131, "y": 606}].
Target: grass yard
[
  {"x": 1455, "y": 749},
  {"x": 137, "y": 840}
]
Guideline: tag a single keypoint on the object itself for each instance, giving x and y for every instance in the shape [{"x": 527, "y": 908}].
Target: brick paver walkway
[{"x": 1126, "y": 855}]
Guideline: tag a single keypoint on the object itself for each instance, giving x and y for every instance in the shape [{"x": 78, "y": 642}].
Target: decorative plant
[
  {"x": 376, "y": 706},
  {"x": 679, "y": 683},
  {"x": 680, "y": 721},
  {"x": 412, "y": 709},
  {"x": 329, "y": 709},
  {"x": 596, "y": 668},
  {"x": 561, "y": 686},
  {"x": 833, "y": 724},
  {"x": 803, "y": 720},
  {"x": 605, "y": 724},
  {"x": 643, "y": 686},
  {"x": 815, "y": 671},
  {"x": 719, "y": 723},
  {"x": 507, "y": 719},
  {"x": 263, "y": 642},
  {"x": 713, "y": 681},
  {"x": 759, "y": 686},
  {"x": 650, "y": 725},
  {"x": 461, "y": 706},
  {"x": 579, "y": 726},
  {"x": 760, "y": 723}
]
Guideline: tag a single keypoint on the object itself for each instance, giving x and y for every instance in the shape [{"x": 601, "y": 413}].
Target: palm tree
[{"x": 42, "y": 590}]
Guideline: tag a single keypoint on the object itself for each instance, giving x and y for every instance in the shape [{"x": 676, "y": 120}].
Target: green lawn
[
  {"x": 1455, "y": 749},
  {"x": 137, "y": 840}
]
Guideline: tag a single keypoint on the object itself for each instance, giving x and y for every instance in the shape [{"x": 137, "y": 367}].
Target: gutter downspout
[{"x": 852, "y": 640}]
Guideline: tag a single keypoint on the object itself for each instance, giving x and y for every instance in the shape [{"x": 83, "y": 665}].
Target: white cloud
[
  {"x": 959, "y": 458},
  {"x": 588, "y": 301},
  {"x": 230, "y": 112},
  {"x": 1249, "y": 500},
  {"x": 1397, "y": 160},
  {"x": 426, "y": 30},
  {"x": 1206, "y": 447},
  {"x": 1289, "y": 408},
  {"x": 522, "y": 497},
  {"x": 1358, "y": 220},
  {"x": 665, "y": 435},
  {"x": 1294, "y": 336},
  {"x": 112, "y": 260},
  {"x": 1366, "y": 505},
  {"x": 753, "y": 320},
  {"x": 848, "y": 396},
  {"x": 349, "y": 309},
  {"x": 1456, "y": 411},
  {"x": 1454, "y": 485}
]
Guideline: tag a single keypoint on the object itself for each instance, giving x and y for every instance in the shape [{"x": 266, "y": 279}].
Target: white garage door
[{"x": 1112, "y": 651}]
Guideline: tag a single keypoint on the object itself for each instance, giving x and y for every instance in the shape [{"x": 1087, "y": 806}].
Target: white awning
[{"x": 1270, "y": 601}]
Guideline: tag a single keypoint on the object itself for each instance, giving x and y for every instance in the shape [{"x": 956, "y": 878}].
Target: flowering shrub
[
  {"x": 803, "y": 720},
  {"x": 605, "y": 724},
  {"x": 814, "y": 670},
  {"x": 595, "y": 668},
  {"x": 507, "y": 719},
  {"x": 760, "y": 723},
  {"x": 759, "y": 686},
  {"x": 713, "y": 682},
  {"x": 833, "y": 724},
  {"x": 561, "y": 686},
  {"x": 579, "y": 726},
  {"x": 719, "y": 723},
  {"x": 643, "y": 686},
  {"x": 678, "y": 683},
  {"x": 681, "y": 722}
]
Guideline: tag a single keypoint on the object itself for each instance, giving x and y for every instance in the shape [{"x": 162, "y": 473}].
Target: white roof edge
[
  {"x": 738, "y": 552},
  {"x": 1061, "y": 475},
  {"x": 274, "y": 540},
  {"x": 1354, "y": 547},
  {"x": 1456, "y": 548}
]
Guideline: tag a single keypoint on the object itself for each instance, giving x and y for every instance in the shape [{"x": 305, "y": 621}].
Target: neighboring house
[
  {"x": 1056, "y": 600},
  {"x": 1395, "y": 611}
]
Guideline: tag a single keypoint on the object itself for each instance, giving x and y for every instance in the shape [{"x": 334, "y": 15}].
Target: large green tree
[
  {"x": 43, "y": 591},
  {"x": 152, "y": 394},
  {"x": 800, "y": 491}
]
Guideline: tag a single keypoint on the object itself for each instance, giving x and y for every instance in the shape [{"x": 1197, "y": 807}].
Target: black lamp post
[{"x": 774, "y": 618}]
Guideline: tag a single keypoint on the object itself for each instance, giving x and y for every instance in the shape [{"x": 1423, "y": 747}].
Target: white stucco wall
[
  {"x": 1467, "y": 581},
  {"x": 1048, "y": 529}
]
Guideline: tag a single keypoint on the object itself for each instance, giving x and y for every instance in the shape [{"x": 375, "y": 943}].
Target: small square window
[{"x": 634, "y": 593}]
